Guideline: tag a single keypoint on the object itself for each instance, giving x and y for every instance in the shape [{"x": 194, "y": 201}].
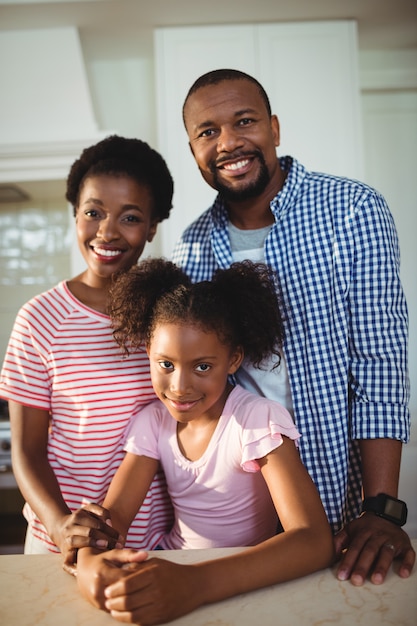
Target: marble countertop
[{"x": 35, "y": 591}]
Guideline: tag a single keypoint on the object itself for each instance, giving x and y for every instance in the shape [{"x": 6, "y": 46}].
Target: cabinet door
[
  {"x": 310, "y": 73},
  {"x": 181, "y": 56}
]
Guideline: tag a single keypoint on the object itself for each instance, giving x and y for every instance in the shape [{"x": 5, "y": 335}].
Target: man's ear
[
  {"x": 236, "y": 360},
  {"x": 275, "y": 130}
]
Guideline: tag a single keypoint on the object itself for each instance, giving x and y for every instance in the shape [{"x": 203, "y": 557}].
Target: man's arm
[{"x": 372, "y": 542}]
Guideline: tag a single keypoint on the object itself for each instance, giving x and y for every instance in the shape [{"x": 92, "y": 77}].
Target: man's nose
[{"x": 229, "y": 139}]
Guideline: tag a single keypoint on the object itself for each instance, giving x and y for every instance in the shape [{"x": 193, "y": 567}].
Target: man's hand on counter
[{"x": 368, "y": 545}]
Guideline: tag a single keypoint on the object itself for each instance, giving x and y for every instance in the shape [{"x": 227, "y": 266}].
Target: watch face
[{"x": 393, "y": 508}]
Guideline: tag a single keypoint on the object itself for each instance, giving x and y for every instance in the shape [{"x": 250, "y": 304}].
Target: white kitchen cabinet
[{"x": 310, "y": 72}]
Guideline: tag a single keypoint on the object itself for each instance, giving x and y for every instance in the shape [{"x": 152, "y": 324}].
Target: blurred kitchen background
[{"x": 342, "y": 77}]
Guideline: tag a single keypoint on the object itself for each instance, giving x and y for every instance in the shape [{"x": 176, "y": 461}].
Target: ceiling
[{"x": 382, "y": 24}]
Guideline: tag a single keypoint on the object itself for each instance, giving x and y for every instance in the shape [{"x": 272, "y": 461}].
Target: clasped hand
[
  {"x": 89, "y": 526},
  {"x": 136, "y": 589},
  {"x": 368, "y": 545}
]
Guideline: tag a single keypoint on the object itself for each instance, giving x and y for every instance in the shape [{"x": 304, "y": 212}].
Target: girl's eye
[
  {"x": 165, "y": 365},
  {"x": 203, "y": 367}
]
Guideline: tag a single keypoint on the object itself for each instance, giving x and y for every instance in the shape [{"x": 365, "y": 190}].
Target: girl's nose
[{"x": 179, "y": 382}]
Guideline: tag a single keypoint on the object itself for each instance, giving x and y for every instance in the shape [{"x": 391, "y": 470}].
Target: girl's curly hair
[
  {"x": 120, "y": 156},
  {"x": 241, "y": 304}
]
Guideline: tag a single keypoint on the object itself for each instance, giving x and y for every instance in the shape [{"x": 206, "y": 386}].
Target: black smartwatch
[{"x": 387, "y": 507}]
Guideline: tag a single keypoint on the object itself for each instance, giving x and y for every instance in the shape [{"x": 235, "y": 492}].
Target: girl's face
[
  {"x": 189, "y": 369},
  {"x": 113, "y": 223}
]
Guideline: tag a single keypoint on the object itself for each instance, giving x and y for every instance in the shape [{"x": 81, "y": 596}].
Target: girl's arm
[
  {"x": 40, "y": 488},
  {"x": 128, "y": 489},
  {"x": 160, "y": 591},
  {"x": 124, "y": 498}
]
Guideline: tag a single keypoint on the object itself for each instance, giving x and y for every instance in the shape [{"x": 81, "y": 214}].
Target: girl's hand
[
  {"x": 89, "y": 526},
  {"x": 158, "y": 591},
  {"x": 97, "y": 570}
]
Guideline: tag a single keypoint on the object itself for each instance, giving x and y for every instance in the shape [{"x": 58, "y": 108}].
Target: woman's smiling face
[{"x": 114, "y": 220}]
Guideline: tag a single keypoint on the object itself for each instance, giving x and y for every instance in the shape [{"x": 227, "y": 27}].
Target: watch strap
[{"x": 387, "y": 507}]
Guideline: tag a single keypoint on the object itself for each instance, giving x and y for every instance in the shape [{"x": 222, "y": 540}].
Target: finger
[
  {"x": 97, "y": 510},
  {"x": 408, "y": 559},
  {"x": 126, "y": 555},
  {"x": 78, "y": 536},
  {"x": 89, "y": 519},
  {"x": 70, "y": 558},
  {"x": 93, "y": 540},
  {"x": 340, "y": 541},
  {"x": 134, "y": 582},
  {"x": 70, "y": 568},
  {"x": 383, "y": 563},
  {"x": 357, "y": 557}
]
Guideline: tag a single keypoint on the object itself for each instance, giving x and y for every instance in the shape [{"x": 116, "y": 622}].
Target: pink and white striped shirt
[{"x": 62, "y": 358}]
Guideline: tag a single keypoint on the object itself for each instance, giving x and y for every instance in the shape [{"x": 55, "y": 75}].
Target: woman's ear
[{"x": 236, "y": 360}]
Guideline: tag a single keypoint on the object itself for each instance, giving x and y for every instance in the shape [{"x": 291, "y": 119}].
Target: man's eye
[
  {"x": 245, "y": 121},
  {"x": 207, "y": 133},
  {"x": 203, "y": 367}
]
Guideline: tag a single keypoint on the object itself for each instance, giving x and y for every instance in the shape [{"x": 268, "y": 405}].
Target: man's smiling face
[{"x": 233, "y": 138}]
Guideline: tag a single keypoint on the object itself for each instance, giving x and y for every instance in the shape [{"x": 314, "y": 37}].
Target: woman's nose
[{"x": 107, "y": 229}]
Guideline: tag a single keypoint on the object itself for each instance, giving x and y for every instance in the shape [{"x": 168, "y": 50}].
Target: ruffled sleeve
[{"x": 273, "y": 422}]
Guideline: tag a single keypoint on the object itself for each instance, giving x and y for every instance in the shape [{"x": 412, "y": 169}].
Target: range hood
[{"x": 46, "y": 112}]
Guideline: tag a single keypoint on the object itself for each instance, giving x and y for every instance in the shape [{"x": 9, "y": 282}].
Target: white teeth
[
  {"x": 236, "y": 166},
  {"x": 104, "y": 252}
]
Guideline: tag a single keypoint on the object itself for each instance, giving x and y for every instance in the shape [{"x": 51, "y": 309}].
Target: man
[{"x": 333, "y": 244}]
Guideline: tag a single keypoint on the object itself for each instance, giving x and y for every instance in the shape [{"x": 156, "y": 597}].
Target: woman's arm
[
  {"x": 160, "y": 591},
  {"x": 39, "y": 486}
]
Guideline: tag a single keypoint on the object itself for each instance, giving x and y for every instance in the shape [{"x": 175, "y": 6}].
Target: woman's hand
[{"x": 89, "y": 526}]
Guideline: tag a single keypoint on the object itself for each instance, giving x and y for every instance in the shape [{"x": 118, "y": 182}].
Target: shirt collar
[{"x": 280, "y": 204}]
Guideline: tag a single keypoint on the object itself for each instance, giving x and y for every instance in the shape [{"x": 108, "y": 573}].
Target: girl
[
  {"x": 229, "y": 457},
  {"x": 70, "y": 393}
]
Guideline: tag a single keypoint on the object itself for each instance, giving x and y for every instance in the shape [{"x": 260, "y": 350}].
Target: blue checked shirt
[{"x": 334, "y": 247}]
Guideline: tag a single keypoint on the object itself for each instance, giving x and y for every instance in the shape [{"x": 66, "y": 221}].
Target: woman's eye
[
  {"x": 131, "y": 218},
  {"x": 203, "y": 367},
  {"x": 91, "y": 213}
]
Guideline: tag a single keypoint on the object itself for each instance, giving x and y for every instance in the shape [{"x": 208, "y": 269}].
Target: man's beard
[{"x": 249, "y": 190}]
